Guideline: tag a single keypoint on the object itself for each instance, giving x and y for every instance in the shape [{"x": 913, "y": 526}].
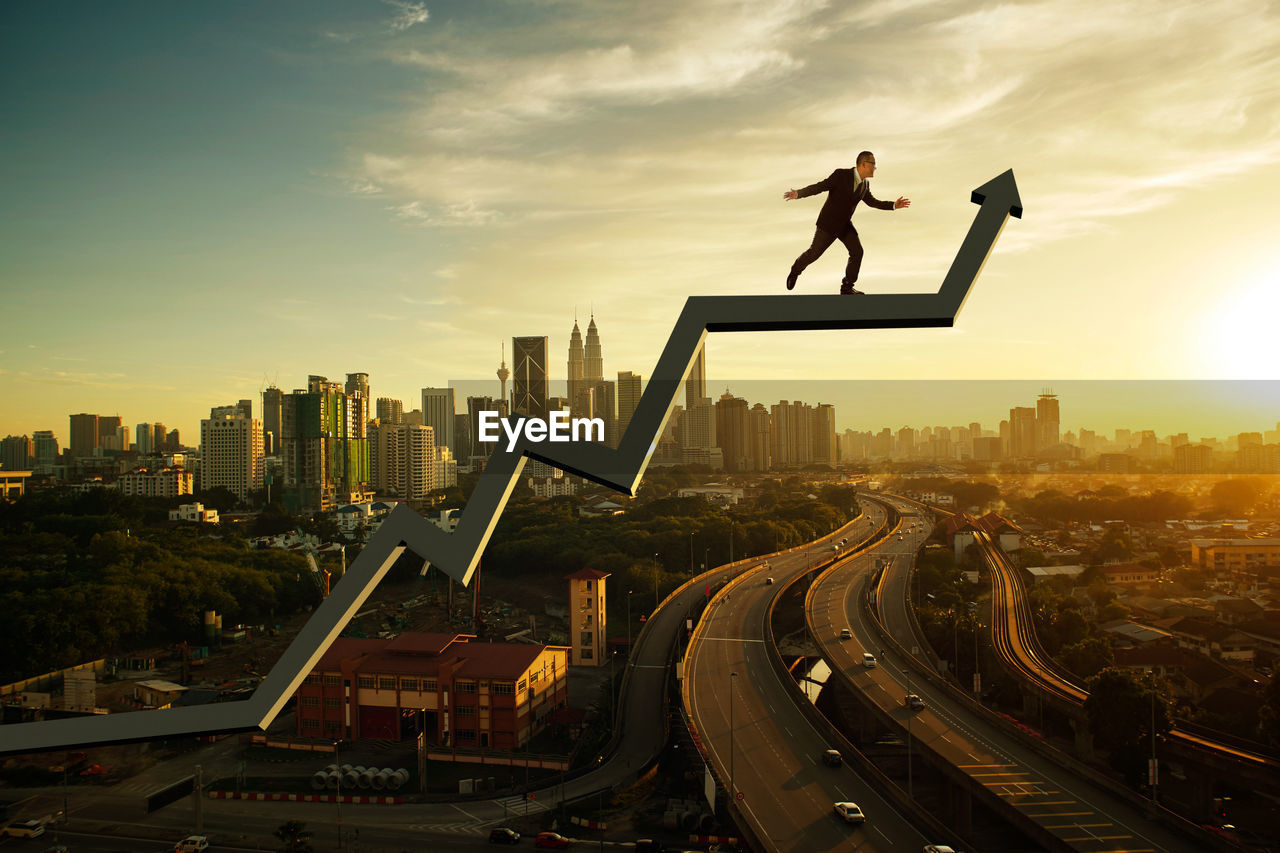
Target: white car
[
  {"x": 850, "y": 813},
  {"x": 192, "y": 844},
  {"x": 846, "y": 634},
  {"x": 938, "y": 848},
  {"x": 25, "y": 829},
  {"x": 868, "y": 660}
]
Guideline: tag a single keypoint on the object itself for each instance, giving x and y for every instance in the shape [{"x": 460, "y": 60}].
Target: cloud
[
  {"x": 466, "y": 213},
  {"x": 407, "y": 14}
]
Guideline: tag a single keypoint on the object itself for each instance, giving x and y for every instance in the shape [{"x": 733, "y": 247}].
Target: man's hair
[{"x": 864, "y": 156}]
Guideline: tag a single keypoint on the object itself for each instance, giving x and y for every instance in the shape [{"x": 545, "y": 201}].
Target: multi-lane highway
[
  {"x": 1076, "y": 813},
  {"x": 755, "y": 735}
]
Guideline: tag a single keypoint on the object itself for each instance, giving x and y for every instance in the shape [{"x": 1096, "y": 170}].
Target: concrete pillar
[
  {"x": 961, "y": 809},
  {"x": 1084, "y": 739}
]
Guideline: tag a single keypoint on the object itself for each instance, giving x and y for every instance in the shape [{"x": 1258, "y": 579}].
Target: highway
[
  {"x": 1079, "y": 815},
  {"x": 755, "y": 735}
]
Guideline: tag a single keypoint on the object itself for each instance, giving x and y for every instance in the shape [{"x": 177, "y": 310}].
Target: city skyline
[
  {"x": 200, "y": 201},
  {"x": 1237, "y": 407}
]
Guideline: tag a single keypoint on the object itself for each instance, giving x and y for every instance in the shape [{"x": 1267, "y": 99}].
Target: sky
[{"x": 197, "y": 200}]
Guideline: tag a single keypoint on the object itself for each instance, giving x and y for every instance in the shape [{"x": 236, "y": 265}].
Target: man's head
[{"x": 866, "y": 164}]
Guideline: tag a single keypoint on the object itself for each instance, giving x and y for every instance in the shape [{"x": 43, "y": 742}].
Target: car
[
  {"x": 913, "y": 702},
  {"x": 899, "y": 537},
  {"x": 832, "y": 758},
  {"x": 551, "y": 840},
  {"x": 768, "y": 581},
  {"x": 846, "y": 634},
  {"x": 938, "y": 848},
  {"x": 503, "y": 835},
  {"x": 868, "y": 660},
  {"x": 192, "y": 844},
  {"x": 25, "y": 829},
  {"x": 850, "y": 813}
]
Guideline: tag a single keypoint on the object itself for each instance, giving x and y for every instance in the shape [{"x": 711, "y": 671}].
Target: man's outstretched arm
[{"x": 812, "y": 189}]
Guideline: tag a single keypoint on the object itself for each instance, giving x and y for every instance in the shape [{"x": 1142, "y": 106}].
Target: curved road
[{"x": 771, "y": 752}]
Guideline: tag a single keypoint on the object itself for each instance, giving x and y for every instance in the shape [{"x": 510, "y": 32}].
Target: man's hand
[
  {"x": 790, "y": 194},
  {"x": 901, "y": 202}
]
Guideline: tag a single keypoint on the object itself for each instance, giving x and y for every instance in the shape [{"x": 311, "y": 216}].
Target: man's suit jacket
[{"x": 842, "y": 198}]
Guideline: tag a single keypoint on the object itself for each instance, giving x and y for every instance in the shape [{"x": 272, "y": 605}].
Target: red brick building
[{"x": 456, "y": 692}]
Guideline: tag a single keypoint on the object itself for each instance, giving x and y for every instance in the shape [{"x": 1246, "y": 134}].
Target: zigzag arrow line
[{"x": 458, "y": 553}]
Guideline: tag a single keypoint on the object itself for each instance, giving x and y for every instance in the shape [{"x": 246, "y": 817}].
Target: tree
[
  {"x": 1088, "y": 657},
  {"x": 1120, "y": 712},
  {"x": 1238, "y": 495},
  {"x": 293, "y": 834}
]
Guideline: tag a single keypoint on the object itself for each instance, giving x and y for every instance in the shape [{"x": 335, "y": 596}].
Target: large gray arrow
[{"x": 458, "y": 553}]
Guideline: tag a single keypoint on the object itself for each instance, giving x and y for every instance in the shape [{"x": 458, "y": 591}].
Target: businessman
[{"x": 844, "y": 189}]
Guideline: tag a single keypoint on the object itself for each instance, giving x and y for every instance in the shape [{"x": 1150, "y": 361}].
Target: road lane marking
[
  {"x": 1077, "y": 825},
  {"x": 1096, "y": 838},
  {"x": 1059, "y": 814}
]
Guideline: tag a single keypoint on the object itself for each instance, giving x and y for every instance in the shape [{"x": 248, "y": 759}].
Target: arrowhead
[{"x": 1002, "y": 192}]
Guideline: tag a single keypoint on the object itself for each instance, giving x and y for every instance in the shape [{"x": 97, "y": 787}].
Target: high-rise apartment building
[
  {"x": 1047, "y": 420},
  {"x": 732, "y": 432},
  {"x": 438, "y": 412},
  {"x": 324, "y": 446},
  {"x": 17, "y": 453},
  {"x": 272, "y": 407},
  {"x": 357, "y": 382},
  {"x": 759, "y": 423},
  {"x": 84, "y": 435},
  {"x": 791, "y": 434},
  {"x": 698, "y": 426},
  {"x": 231, "y": 452},
  {"x": 109, "y": 431},
  {"x": 1022, "y": 432},
  {"x": 629, "y": 391},
  {"x": 824, "y": 434},
  {"x": 390, "y": 411},
  {"x": 530, "y": 388},
  {"x": 45, "y": 450},
  {"x": 403, "y": 460}
]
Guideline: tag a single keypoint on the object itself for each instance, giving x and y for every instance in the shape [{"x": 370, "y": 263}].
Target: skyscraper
[
  {"x": 272, "y": 401},
  {"x": 695, "y": 384},
  {"x": 231, "y": 452},
  {"x": 46, "y": 451},
  {"x": 732, "y": 430},
  {"x": 1022, "y": 432},
  {"x": 629, "y": 391},
  {"x": 390, "y": 411},
  {"x": 531, "y": 388},
  {"x": 1047, "y": 420},
  {"x": 84, "y": 435},
  {"x": 576, "y": 367},
  {"x": 438, "y": 412},
  {"x": 326, "y": 458},
  {"x": 17, "y": 453},
  {"x": 593, "y": 363},
  {"x": 824, "y": 434}
]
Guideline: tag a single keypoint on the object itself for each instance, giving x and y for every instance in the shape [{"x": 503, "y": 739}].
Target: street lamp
[
  {"x": 629, "y": 592},
  {"x": 693, "y": 567},
  {"x": 655, "y": 581},
  {"x": 339, "y": 798},
  {"x": 733, "y": 676}
]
